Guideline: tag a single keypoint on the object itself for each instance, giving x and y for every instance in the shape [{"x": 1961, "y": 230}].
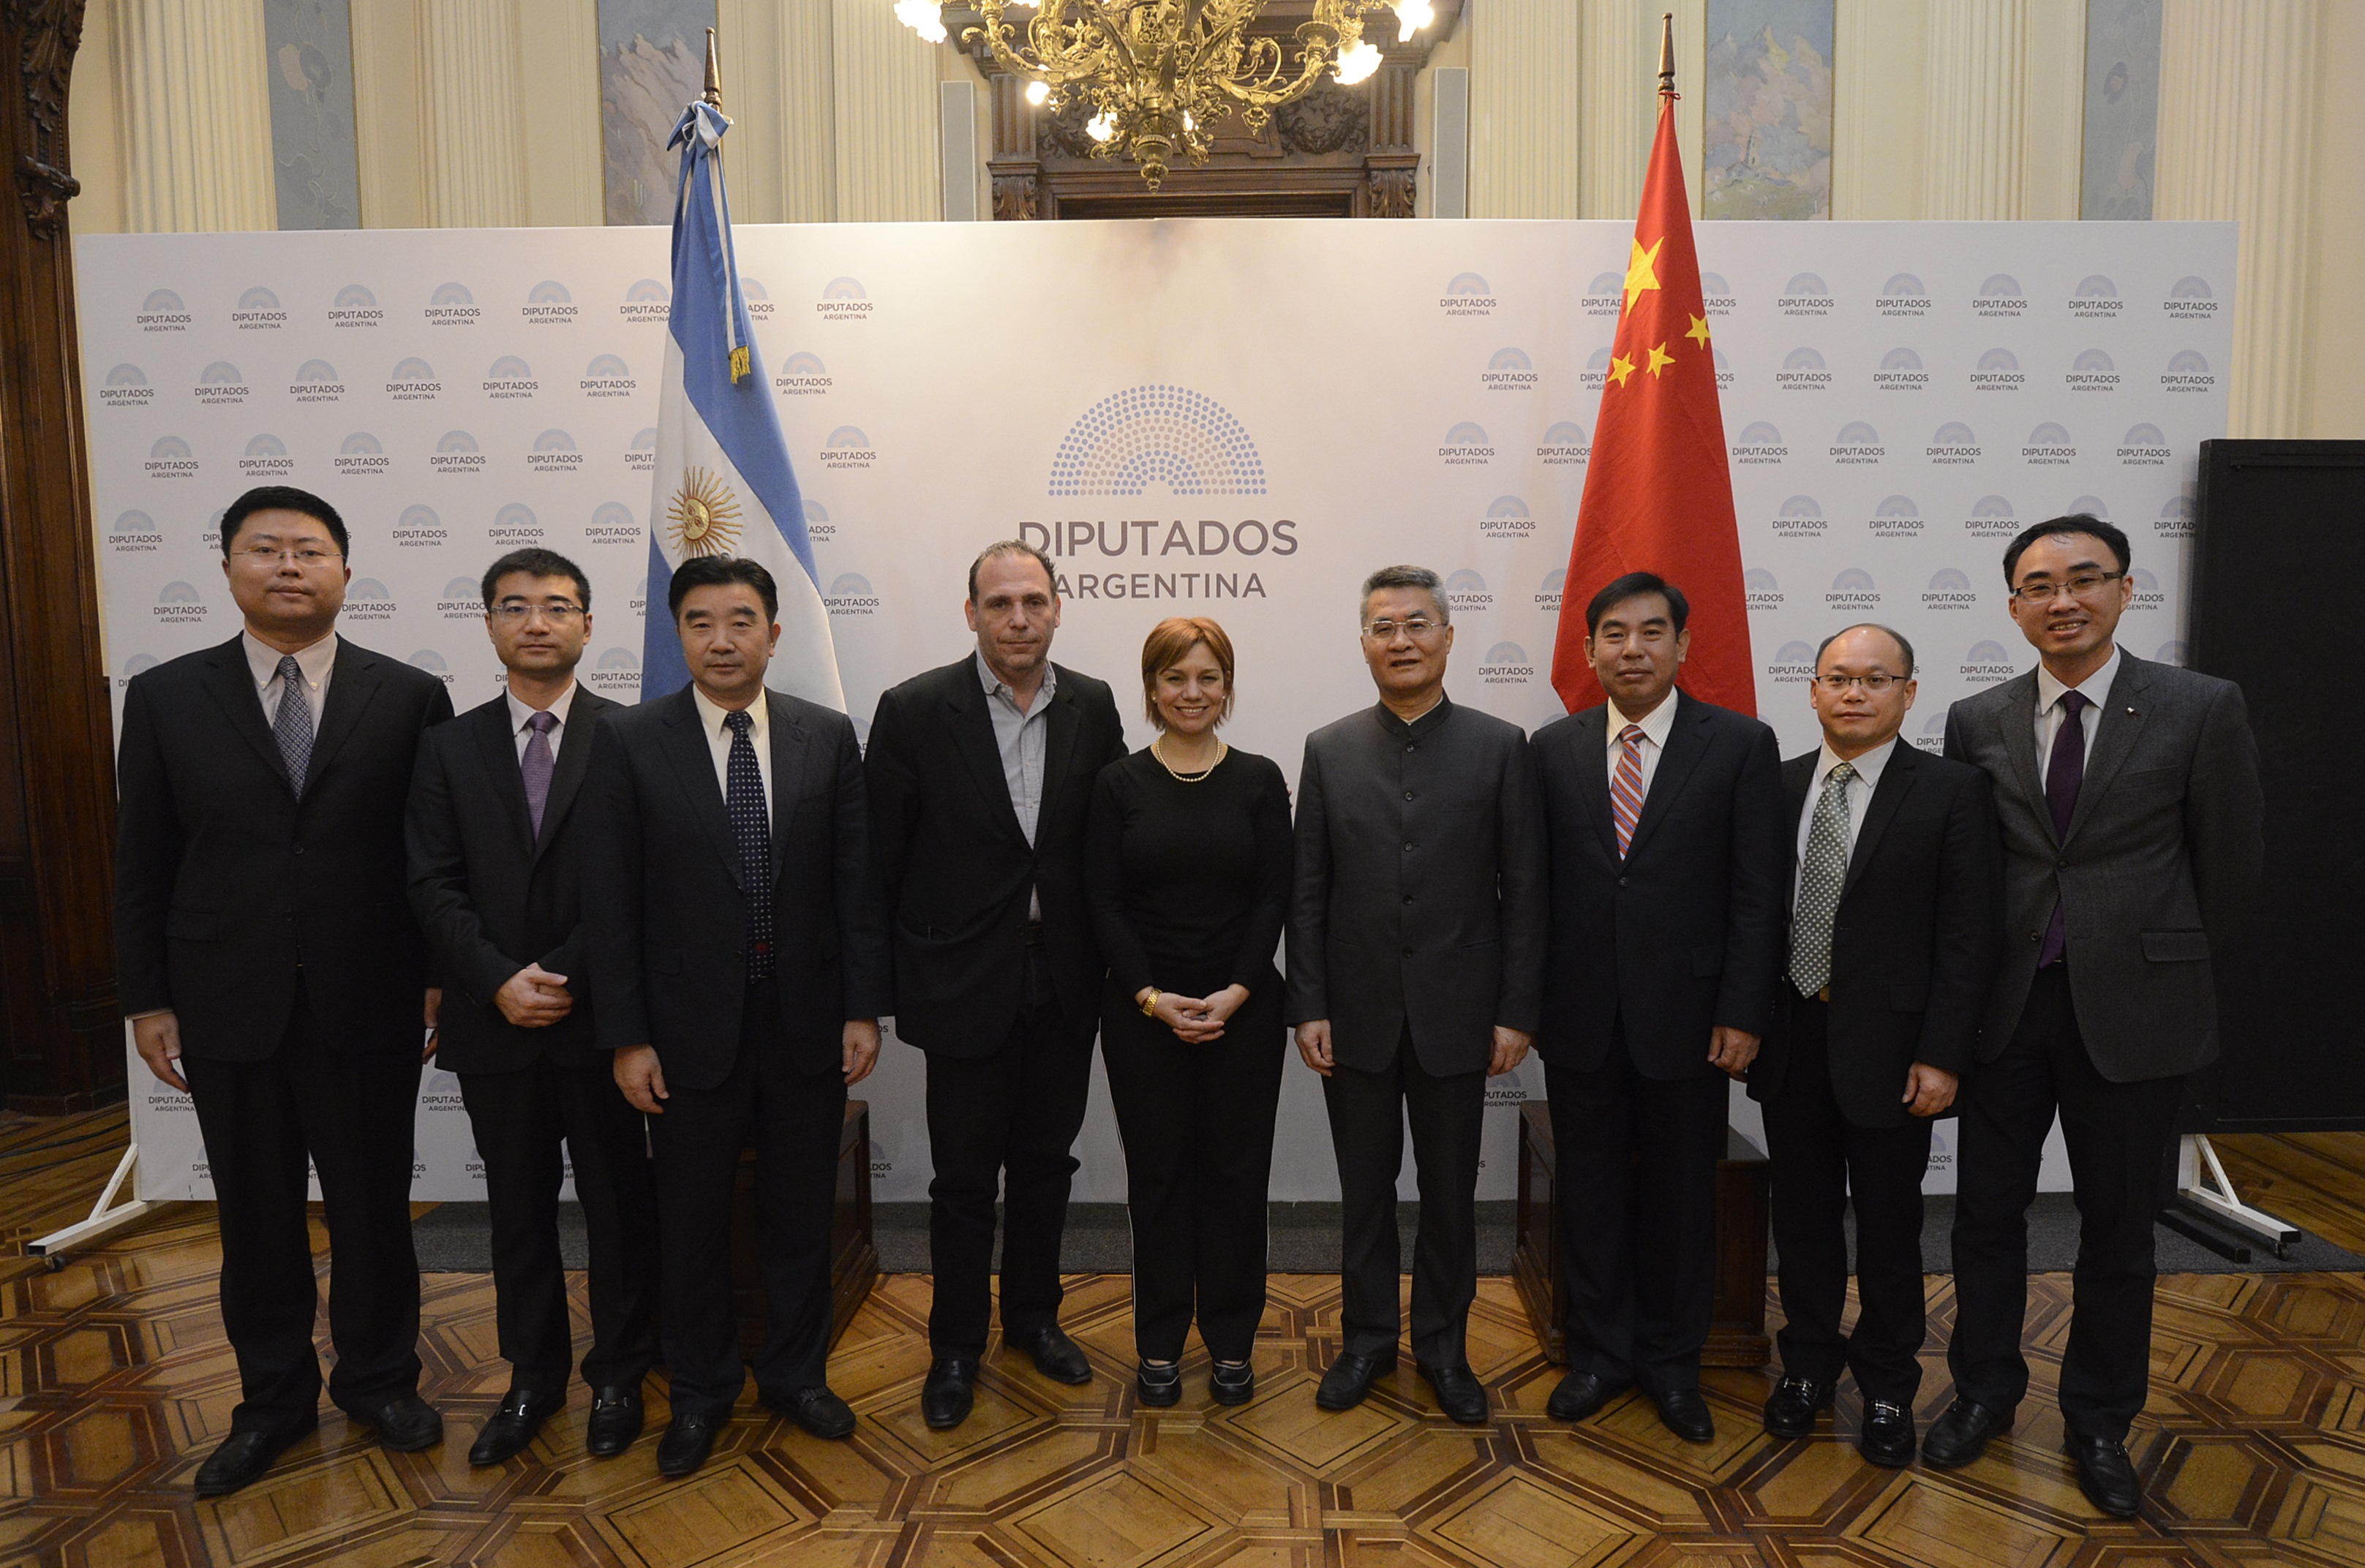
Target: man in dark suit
[
  {"x": 2130, "y": 803},
  {"x": 271, "y": 967},
  {"x": 1668, "y": 848},
  {"x": 1891, "y": 949},
  {"x": 740, "y": 970},
  {"x": 497, "y": 880},
  {"x": 1416, "y": 945},
  {"x": 980, "y": 775}
]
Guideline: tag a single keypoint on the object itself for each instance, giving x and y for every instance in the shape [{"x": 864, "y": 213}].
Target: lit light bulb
[
  {"x": 923, "y": 17},
  {"x": 1413, "y": 14},
  {"x": 1357, "y": 62},
  {"x": 1101, "y": 127},
  {"x": 1037, "y": 91},
  {"x": 1188, "y": 123}
]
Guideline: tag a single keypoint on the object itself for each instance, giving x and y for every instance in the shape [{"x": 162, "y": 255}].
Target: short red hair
[{"x": 1168, "y": 642}]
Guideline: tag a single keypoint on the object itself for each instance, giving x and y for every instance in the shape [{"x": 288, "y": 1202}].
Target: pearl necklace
[{"x": 1222, "y": 751}]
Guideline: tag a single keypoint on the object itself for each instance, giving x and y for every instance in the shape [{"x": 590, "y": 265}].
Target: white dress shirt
[
  {"x": 2096, "y": 689},
  {"x": 314, "y": 663},
  {"x": 1859, "y": 798},
  {"x": 1656, "y": 727},
  {"x": 718, "y": 741},
  {"x": 521, "y": 716},
  {"x": 1024, "y": 739}
]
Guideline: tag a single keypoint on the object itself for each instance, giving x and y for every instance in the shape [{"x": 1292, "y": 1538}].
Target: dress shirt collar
[
  {"x": 1867, "y": 767},
  {"x": 521, "y": 715},
  {"x": 315, "y": 661},
  {"x": 1420, "y": 728},
  {"x": 1655, "y": 726},
  {"x": 2096, "y": 687},
  {"x": 711, "y": 715},
  {"x": 996, "y": 687}
]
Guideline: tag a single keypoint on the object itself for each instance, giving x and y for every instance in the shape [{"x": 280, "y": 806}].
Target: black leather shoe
[
  {"x": 1888, "y": 1435},
  {"x": 513, "y": 1427},
  {"x": 687, "y": 1442},
  {"x": 244, "y": 1456},
  {"x": 1231, "y": 1382},
  {"x": 1961, "y": 1435},
  {"x": 1683, "y": 1411},
  {"x": 1350, "y": 1378},
  {"x": 1794, "y": 1404},
  {"x": 1581, "y": 1393},
  {"x": 1158, "y": 1385},
  {"x": 1055, "y": 1356},
  {"x": 816, "y": 1409},
  {"x": 2106, "y": 1474},
  {"x": 945, "y": 1397},
  {"x": 1458, "y": 1394},
  {"x": 615, "y": 1421},
  {"x": 404, "y": 1424}
]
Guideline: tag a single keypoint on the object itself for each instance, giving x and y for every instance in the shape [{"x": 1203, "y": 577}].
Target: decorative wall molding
[
  {"x": 194, "y": 114},
  {"x": 1972, "y": 82},
  {"x": 473, "y": 125}
]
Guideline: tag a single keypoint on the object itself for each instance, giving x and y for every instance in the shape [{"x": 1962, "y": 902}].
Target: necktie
[
  {"x": 2064, "y": 775},
  {"x": 291, "y": 726},
  {"x": 751, "y": 828},
  {"x": 1821, "y": 877},
  {"x": 1626, "y": 787},
  {"x": 536, "y": 765}
]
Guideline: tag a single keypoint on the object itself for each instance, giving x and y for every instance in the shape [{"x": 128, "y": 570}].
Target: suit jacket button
[
  {"x": 1621, "y": 881},
  {"x": 2037, "y": 937},
  {"x": 1407, "y": 794},
  {"x": 1408, "y": 847},
  {"x": 299, "y": 849},
  {"x": 1407, "y": 952}
]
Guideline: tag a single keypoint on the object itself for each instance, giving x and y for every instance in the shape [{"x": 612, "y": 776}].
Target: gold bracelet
[{"x": 1149, "y": 1008}]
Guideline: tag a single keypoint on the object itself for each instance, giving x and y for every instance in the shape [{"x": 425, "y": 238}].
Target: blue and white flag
[{"x": 724, "y": 483}]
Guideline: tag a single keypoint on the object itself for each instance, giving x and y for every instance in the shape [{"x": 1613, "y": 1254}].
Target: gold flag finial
[
  {"x": 1666, "y": 52},
  {"x": 713, "y": 94}
]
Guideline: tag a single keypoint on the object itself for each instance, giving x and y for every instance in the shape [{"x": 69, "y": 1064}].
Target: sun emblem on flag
[{"x": 704, "y": 517}]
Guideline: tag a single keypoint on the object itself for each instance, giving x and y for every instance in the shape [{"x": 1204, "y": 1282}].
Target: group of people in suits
[{"x": 647, "y": 937}]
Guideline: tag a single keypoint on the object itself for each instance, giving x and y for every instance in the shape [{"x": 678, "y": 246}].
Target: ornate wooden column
[{"x": 60, "y": 1036}]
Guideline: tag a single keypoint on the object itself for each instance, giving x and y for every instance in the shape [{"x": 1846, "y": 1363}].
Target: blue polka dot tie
[{"x": 751, "y": 828}]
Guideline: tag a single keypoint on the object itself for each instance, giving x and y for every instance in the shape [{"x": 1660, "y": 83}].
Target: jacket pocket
[
  {"x": 1708, "y": 961},
  {"x": 2175, "y": 947}
]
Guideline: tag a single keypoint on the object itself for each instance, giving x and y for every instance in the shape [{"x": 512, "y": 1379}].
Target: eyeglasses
[
  {"x": 264, "y": 556},
  {"x": 516, "y": 614},
  {"x": 1874, "y": 684},
  {"x": 2085, "y": 585},
  {"x": 1413, "y": 626}
]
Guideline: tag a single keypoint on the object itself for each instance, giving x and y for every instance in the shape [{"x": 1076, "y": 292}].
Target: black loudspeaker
[{"x": 2279, "y": 528}]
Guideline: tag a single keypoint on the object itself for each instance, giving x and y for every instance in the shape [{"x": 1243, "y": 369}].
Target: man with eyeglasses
[
  {"x": 1892, "y": 947},
  {"x": 1416, "y": 948},
  {"x": 271, "y": 969},
  {"x": 2130, "y": 806},
  {"x": 497, "y": 853}
]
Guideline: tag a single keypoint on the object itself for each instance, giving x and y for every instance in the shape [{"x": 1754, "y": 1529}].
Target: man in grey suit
[
  {"x": 1416, "y": 972},
  {"x": 2128, "y": 797}
]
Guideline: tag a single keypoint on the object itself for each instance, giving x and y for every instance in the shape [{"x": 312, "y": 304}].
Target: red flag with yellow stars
[{"x": 1658, "y": 497}]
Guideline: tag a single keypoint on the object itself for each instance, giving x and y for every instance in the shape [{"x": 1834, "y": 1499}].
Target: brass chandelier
[{"x": 1161, "y": 73}]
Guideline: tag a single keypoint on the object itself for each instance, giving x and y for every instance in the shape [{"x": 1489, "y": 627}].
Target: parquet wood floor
[{"x": 115, "y": 1381}]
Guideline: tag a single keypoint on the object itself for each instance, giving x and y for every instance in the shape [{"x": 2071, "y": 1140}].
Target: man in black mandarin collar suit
[
  {"x": 2132, "y": 815},
  {"x": 741, "y": 967},
  {"x": 1664, "y": 816},
  {"x": 981, "y": 775},
  {"x": 497, "y": 880},
  {"x": 1891, "y": 948},
  {"x": 271, "y": 967}
]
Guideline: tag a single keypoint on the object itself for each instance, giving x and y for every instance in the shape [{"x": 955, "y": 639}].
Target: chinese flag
[{"x": 1658, "y": 497}]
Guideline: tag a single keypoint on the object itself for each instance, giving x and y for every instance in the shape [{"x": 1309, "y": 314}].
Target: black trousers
[
  {"x": 1636, "y": 1205},
  {"x": 1822, "y": 1162},
  {"x": 351, "y": 1113},
  {"x": 521, "y": 1118},
  {"x": 1197, "y": 1124},
  {"x": 2118, "y": 1136},
  {"x": 794, "y": 1119},
  {"x": 1369, "y": 1112},
  {"x": 1008, "y": 1120}
]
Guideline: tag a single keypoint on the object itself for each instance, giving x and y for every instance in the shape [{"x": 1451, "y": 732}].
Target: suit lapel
[
  {"x": 686, "y": 749},
  {"x": 231, "y": 681},
  {"x": 2018, "y": 717},
  {"x": 1686, "y": 745},
  {"x": 973, "y": 740},
  {"x": 1593, "y": 774},
  {"x": 1896, "y": 782},
  {"x": 790, "y": 755},
  {"x": 497, "y": 743},
  {"x": 574, "y": 762},
  {"x": 2121, "y": 717},
  {"x": 1065, "y": 718},
  {"x": 353, "y": 685}
]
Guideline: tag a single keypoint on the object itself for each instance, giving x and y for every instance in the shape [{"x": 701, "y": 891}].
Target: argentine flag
[{"x": 723, "y": 484}]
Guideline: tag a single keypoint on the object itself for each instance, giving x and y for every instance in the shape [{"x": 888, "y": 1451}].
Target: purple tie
[
  {"x": 2064, "y": 774},
  {"x": 536, "y": 765}
]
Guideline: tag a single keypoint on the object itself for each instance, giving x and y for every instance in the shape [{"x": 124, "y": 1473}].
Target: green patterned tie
[{"x": 1820, "y": 881}]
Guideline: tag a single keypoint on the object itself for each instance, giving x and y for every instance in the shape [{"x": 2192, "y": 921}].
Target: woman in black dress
[{"x": 1190, "y": 860}]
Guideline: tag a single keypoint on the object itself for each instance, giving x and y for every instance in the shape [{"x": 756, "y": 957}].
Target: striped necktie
[{"x": 1626, "y": 788}]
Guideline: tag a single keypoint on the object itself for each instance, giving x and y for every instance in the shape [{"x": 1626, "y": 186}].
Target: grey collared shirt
[{"x": 1023, "y": 736}]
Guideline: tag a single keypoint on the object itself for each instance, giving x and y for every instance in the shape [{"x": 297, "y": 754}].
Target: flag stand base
[
  {"x": 103, "y": 1219},
  {"x": 2203, "y": 1188}
]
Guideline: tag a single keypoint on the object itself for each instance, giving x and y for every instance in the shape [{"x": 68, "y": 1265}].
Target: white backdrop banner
[{"x": 1237, "y": 419}]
